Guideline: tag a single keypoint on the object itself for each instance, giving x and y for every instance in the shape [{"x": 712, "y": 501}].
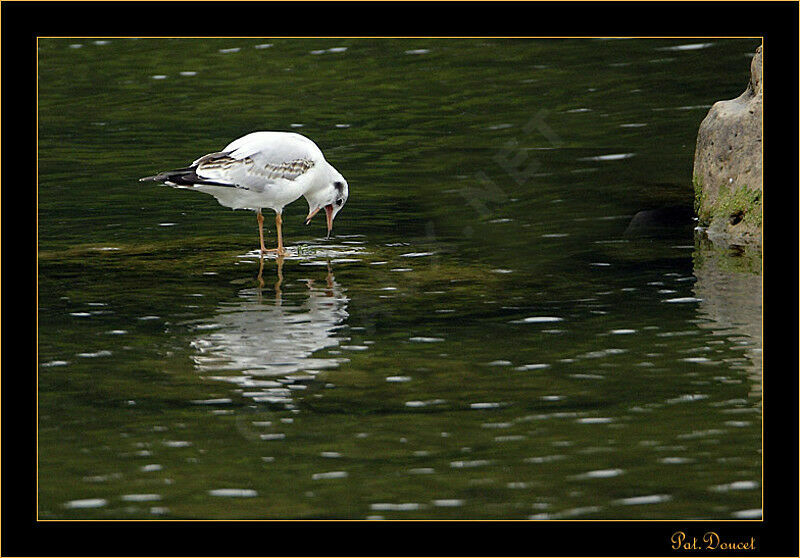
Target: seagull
[{"x": 265, "y": 170}]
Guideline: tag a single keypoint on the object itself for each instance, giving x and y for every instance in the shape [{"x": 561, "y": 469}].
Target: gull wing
[{"x": 258, "y": 160}]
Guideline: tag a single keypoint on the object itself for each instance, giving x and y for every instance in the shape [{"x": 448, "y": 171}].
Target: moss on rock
[{"x": 740, "y": 205}]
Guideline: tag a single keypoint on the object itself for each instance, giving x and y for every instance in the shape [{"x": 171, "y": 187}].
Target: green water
[{"x": 482, "y": 337}]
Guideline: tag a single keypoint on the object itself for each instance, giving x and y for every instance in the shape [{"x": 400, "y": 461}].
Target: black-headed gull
[{"x": 265, "y": 170}]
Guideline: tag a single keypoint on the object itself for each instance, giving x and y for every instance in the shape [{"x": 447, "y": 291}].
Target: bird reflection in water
[{"x": 270, "y": 343}]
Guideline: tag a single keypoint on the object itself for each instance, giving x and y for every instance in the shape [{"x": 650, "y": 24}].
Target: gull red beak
[
  {"x": 328, "y": 217},
  {"x": 310, "y": 215}
]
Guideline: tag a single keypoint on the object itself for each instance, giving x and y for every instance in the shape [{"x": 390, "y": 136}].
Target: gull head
[{"x": 331, "y": 197}]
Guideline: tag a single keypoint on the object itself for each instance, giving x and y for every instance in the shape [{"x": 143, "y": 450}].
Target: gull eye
[{"x": 340, "y": 201}]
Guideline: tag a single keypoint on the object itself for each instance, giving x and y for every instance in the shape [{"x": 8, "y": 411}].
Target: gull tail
[
  {"x": 160, "y": 177},
  {"x": 181, "y": 177}
]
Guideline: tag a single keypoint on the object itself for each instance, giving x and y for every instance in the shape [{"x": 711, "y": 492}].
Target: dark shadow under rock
[{"x": 664, "y": 221}]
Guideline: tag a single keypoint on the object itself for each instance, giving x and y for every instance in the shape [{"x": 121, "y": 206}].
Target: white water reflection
[{"x": 267, "y": 332}]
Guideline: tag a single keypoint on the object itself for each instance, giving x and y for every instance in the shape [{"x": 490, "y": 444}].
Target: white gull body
[{"x": 265, "y": 170}]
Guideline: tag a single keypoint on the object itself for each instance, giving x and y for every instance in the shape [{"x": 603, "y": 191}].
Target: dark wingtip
[{"x": 154, "y": 178}]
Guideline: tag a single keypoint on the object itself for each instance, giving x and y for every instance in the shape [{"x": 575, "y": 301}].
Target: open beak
[
  {"x": 328, "y": 217},
  {"x": 311, "y": 215}
]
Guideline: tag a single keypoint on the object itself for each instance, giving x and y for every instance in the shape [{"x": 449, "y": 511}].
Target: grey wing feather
[{"x": 259, "y": 160}]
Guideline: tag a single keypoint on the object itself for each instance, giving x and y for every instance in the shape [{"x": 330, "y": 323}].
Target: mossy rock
[
  {"x": 727, "y": 174},
  {"x": 734, "y": 213}
]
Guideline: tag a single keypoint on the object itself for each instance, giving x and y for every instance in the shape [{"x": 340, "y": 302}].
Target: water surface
[{"x": 487, "y": 335}]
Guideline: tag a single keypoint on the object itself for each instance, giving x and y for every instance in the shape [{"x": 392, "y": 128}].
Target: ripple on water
[
  {"x": 54, "y": 363},
  {"x": 748, "y": 514},
  {"x": 687, "y": 398},
  {"x": 603, "y": 353},
  {"x": 610, "y": 157},
  {"x": 354, "y": 347},
  {"x": 700, "y": 360},
  {"x": 140, "y": 497},
  {"x": 499, "y": 363},
  {"x": 544, "y": 459},
  {"x": 469, "y": 464},
  {"x": 497, "y": 425},
  {"x": 86, "y": 503},
  {"x": 381, "y": 506},
  {"x": 510, "y": 438},
  {"x": 94, "y": 355},
  {"x": 487, "y": 405},
  {"x": 233, "y": 493},
  {"x": 574, "y": 512},
  {"x": 330, "y": 475},
  {"x": 691, "y": 46},
  {"x": 587, "y": 376},
  {"x": 427, "y": 403},
  {"x": 644, "y": 500},
  {"x": 737, "y": 485},
  {"x": 595, "y": 420},
  {"x": 448, "y": 503},
  {"x": 599, "y": 474},
  {"x": 177, "y": 443},
  {"x": 220, "y": 401},
  {"x": 538, "y": 320}
]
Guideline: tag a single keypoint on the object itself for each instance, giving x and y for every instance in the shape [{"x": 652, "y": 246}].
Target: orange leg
[
  {"x": 260, "y": 219},
  {"x": 280, "y": 250},
  {"x": 278, "y": 223}
]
